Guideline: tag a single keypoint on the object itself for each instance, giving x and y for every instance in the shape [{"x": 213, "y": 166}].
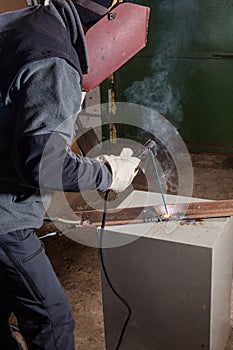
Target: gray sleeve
[{"x": 49, "y": 96}]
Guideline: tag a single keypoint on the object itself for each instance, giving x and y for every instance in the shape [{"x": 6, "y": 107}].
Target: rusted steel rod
[{"x": 198, "y": 210}]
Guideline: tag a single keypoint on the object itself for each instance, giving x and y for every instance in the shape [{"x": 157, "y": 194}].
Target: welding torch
[{"x": 143, "y": 152}]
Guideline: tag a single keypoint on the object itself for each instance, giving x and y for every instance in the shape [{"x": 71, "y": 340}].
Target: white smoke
[{"x": 177, "y": 29}]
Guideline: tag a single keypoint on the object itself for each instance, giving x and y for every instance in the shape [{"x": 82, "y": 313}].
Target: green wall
[{"x": 186, "y": 71}]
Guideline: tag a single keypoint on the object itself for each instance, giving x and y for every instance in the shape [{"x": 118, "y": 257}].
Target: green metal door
[{"x": 186, "y": 71}]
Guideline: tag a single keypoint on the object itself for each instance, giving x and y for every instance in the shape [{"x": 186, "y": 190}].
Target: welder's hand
[{"x": 123, "y": 167}]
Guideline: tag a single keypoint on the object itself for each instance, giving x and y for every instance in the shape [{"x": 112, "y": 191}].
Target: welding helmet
[{"x": 116, "y": 31}]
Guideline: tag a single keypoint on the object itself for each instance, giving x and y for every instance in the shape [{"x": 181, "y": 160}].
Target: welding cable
[{"x": 107, "y": 276}]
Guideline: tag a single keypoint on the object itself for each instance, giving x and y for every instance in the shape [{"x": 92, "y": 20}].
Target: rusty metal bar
[{"x": 184, "y": 211}]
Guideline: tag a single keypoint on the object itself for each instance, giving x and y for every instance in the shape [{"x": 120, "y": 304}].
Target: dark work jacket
[{"x": 34, "y": 35}]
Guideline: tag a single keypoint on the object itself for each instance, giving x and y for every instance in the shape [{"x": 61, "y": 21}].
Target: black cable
[{"x": 107, "y": 276}]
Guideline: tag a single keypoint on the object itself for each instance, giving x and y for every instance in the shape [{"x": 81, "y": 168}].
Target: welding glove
[{"x": 123, "y": 167}]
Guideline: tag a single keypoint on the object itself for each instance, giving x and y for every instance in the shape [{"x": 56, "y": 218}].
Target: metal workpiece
[{"x": 141, "y": 214}]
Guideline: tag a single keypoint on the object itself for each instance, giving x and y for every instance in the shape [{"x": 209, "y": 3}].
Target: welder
[{"x": 43, "y": 58}]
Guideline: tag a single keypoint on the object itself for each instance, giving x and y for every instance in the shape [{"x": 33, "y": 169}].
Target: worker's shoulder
[
  {"x": 47, "y": 68},
  {"x": 53, "y": 64}
]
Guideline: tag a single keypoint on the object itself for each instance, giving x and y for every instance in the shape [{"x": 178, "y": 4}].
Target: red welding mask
[{"x": 114, "y": 39}]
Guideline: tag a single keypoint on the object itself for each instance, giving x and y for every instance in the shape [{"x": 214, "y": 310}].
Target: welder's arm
[{"x": 49, "y": 100}]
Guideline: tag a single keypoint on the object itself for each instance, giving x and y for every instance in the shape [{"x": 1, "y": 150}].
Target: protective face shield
[{"x": 116, "y": 31}]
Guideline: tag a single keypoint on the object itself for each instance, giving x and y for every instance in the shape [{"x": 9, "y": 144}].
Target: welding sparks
[
  {"x": 166, "y": 212},
  {"x": 166, "y": 216}
]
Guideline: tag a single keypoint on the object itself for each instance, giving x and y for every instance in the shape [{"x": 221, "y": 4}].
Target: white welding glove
[{"x": 123, "y": 167}]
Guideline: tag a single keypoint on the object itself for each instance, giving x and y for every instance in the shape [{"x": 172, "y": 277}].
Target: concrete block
[{"x": 178, "y": 284}]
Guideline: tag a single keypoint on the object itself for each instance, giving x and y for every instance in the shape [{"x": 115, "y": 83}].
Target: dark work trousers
[{"x": 30, "y": 289}]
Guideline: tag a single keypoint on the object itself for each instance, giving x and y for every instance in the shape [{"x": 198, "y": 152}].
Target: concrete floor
[{"x": 77, "y": 266}]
